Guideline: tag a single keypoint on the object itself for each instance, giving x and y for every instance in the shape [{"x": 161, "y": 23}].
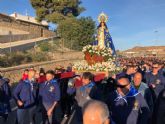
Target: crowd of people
[{"x": 134, "y": 96}]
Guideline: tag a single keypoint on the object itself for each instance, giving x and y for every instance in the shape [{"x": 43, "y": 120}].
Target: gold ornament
[
  {"x": 103, "y": 17},
  {"x": 136, "y": 104}
]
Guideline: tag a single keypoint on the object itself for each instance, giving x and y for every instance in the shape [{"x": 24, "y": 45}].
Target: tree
[
  {"x": 77, "y": 32},
  {"x": 56, "y": 10},
  {"x": 88, "y": 30},
  {"x": 69, "y": 30}
]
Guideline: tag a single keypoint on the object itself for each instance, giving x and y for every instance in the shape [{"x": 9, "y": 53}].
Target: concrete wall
[
  {"x": 34, "y": 30},
  {"x": 26, "y": 46},
  {"x": 18, "y": 37}
]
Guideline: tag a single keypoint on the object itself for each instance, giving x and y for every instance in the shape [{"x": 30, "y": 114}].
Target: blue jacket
[
  {"x": 26, "y": 92},
  {"x": 158, "y": 80},
  {"x": 5, "y": 96},
  {"x": 129, "y": 109},
  {"x": 49, "y": 93}
]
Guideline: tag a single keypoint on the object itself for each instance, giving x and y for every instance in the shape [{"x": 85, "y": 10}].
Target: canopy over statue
[{"x": 103, "y": 38}]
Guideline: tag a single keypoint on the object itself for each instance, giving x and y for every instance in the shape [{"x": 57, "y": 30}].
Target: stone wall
[{"x": 15, "y": 73}]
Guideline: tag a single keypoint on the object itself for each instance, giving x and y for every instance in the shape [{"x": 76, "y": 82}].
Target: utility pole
[{"x": 10, "y": 35}]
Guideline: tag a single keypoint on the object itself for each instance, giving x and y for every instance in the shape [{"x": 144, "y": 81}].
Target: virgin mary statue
[{"x": 103, "y": 38}]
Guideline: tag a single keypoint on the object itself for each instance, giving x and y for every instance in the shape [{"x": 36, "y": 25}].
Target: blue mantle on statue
[{"x": 107, "y": 41}]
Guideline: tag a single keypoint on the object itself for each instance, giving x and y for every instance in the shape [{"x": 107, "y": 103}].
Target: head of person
[
  {"x": 155, "y": 67},
  {"x": 31, "y": 74},
  {"x": 26, "y": 71},
  {"x": 50, "y": 75},
  {"x": 137, "y": 79},
  {"x": 146, "y": 67},
  {"x": 31, "y": 68},
  {"x": 99, "y": 110},
  {"x": 70, "y": 64},
  {"x": 123, "y": 85},
  {"x": 42, "y": 72},
  {"x": 87, "y": 77},
  {"x": 37, "y": 75},
  {"x": 130, "y": 69}
]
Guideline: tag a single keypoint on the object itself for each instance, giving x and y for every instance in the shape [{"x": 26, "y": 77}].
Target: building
[
  {"x": 28, "y": 19},
  {"x": 16, "y": 27}
]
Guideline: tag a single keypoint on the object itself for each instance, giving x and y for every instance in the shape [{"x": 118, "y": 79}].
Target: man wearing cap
[{"x": 126, "y": 105}]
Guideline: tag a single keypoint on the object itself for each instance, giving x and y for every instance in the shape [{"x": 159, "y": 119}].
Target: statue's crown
[{"x": 103, "y": 17}]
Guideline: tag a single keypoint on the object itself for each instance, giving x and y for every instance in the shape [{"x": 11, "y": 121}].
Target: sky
[{"x": 131, "y": 22}]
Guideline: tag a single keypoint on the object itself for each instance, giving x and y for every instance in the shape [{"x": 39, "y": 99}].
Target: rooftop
[{"x": 28, "y": 19}]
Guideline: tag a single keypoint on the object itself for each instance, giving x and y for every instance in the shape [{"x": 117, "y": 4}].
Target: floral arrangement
[
  {"x": 108, "y": 66},
  {"x": 98, "y": 60},
  {"x": 95, "y": 54}
]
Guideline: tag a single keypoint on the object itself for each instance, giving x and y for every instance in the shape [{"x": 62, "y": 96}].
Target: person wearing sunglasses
[
  {"x": 155, "y": 80},
  {"x": 127, "y": 105}
]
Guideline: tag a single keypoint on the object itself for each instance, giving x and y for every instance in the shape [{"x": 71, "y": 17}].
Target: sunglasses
[
  {"x": 121, "y": 86},
  {"x": 155, "y": 67}
]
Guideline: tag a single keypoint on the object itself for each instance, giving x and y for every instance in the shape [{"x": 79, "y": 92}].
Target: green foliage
[
  {"x": 45, "y": 46},
  {"x": 13, "y": 59},
  {"x": 88, "y": 31},
  {"x": 40, "y": 56},
  {"x": 56, "y": 10},
  {"x": 18, "y": 58},
  {"x": 69, "y": 31},
  {"x": 3, "y": 62},
  {"x": 77, "y": 32}
]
